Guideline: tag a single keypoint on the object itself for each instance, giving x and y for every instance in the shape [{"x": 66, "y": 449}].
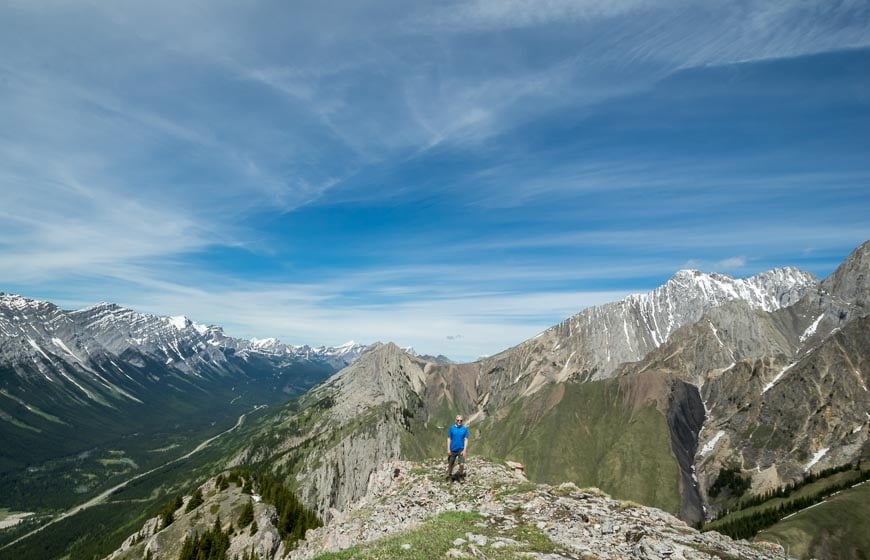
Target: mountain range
[
  {"x": 649, "y": 398},
  {"x": 73, "y": 381},
  {"x": 661, "y": 398}
]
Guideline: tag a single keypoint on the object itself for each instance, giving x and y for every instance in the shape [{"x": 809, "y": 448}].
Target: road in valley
[{"x": 102, "y": 497}]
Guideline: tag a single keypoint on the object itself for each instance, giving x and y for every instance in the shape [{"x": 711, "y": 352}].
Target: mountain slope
[
  {"x": 328, "y": 444},
  {"x": 659, "y": 418},
  {"x": 114, "y": 385},
  {"x": 593, "y": 343}
]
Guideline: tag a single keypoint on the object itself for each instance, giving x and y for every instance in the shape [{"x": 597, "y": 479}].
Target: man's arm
[
  {"x": 465, "y": 446},
  {"x": 448, "y": 445}
]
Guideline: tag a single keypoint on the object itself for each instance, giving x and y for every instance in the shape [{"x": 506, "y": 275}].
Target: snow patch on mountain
[
  {"x": 811, "y": 330},
  {"x": 816, "y": 458},
  {"x": 711, "y": 445},
  {"x": 777, "y": 377},
  {"x": 180, "y": 322}
]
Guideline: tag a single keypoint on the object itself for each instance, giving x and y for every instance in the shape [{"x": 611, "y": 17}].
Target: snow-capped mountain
[
  {"x": 593, "y": 343},
  {"x": 66, "y": 376},
  {"x": 336, "y": 356},
  {"x": 31, "y": 328}
]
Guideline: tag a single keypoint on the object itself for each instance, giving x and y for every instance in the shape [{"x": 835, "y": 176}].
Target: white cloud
[
  {"x": 729, "y": 263},
  {"x": 684, "y": 33},
  {"x": 509, "y": 14}
]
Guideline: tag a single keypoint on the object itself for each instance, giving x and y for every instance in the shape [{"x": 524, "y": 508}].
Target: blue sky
[{"x": 452, "y": 176}]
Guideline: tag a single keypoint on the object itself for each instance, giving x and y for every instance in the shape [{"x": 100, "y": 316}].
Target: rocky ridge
[
  {"x": 157, "y": 541},
  {"x": 510, "y": 518},
  {"x": 346, "y": 426},
  {"x": 592, "y": 344},
  {"x": 577, "y": 523}
]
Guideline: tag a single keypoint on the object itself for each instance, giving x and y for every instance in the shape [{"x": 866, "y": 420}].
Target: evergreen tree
[
  {"x": 195, "y": 501},
  {"x": 247, "y": 515}
]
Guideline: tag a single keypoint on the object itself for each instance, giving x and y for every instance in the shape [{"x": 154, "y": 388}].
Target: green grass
[
  {"x": 808, "y": 490},
  {"x": 435, "y": 537},
  {"x": 837, "y": 528},
  {"x": 592, "y": 437}
]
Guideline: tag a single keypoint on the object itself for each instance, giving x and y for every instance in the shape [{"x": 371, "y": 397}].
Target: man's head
[{"x": 459, "y": 420}]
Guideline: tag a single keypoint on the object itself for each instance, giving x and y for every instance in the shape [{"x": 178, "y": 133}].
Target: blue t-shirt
[{"x": 457, "y": 435}]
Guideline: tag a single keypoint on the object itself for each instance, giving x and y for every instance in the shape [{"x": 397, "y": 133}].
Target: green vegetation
[
  {"x": 435, "y": 537},
  {"x": 211, "y": 545},
  {"x": 92, "y": 533},
  {"x": 587, "y": 434},
  {"x": 836, "y": 528},
  {"x": 747, "y": 522},
  {"x": 730, "y": 479},
  {"x": 293, "y": 518},
  {"x": 167, "y": 514},
  {"x": 99, "y": 530},
  {"x": 247, "y": 515},
  {"x": 785, "y": 491},
  {"x": 195, "y": 501}
]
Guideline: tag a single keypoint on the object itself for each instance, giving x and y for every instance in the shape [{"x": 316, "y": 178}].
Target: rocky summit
[{"x": 411, "y": 510}]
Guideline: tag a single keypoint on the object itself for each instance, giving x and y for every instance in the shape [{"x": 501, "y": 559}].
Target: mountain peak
[
  {"x": 265, "y": 342},
  {"x": 180, "y": 322},
  {"x": 851, "y": 280},
  {"x": 16, "y": 301}
]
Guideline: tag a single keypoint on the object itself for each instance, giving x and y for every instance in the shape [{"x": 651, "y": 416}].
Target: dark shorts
[{"x": 452, "y": 458}]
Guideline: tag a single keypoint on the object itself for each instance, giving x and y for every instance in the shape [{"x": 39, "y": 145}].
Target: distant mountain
[
  {"x": 81, "y": 348},
  {"x": 593, "y": 343},
  {"x": 439, "y": 359},
  {"x": 337, "y": 356},
  {"x": 73, "y": 380}
]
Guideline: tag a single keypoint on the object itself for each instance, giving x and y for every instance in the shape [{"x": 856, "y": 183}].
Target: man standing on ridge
[{"x": 457, "y": 445}]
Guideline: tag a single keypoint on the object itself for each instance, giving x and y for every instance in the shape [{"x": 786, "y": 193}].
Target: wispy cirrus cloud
[{"x": 416, "y": 170}]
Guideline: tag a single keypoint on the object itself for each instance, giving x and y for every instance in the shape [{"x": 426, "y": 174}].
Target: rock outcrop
[
  {"x": 516, "y": 517},
  {"x": 160, "y": 542}
]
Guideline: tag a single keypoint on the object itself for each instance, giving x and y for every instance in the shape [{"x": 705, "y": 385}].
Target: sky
[{"x": 452, "y": 176}]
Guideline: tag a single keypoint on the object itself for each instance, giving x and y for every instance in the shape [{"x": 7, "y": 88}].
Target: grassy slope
[
  {"x": 585, "y": 433},
  {"x": 837, "y": 528},
  {"x": 808, "y": 490}
]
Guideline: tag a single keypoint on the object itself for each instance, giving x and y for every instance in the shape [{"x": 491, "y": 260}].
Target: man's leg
[
  {"x": 461, "y": 464},
  {"x": 451, "y": 458}
]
